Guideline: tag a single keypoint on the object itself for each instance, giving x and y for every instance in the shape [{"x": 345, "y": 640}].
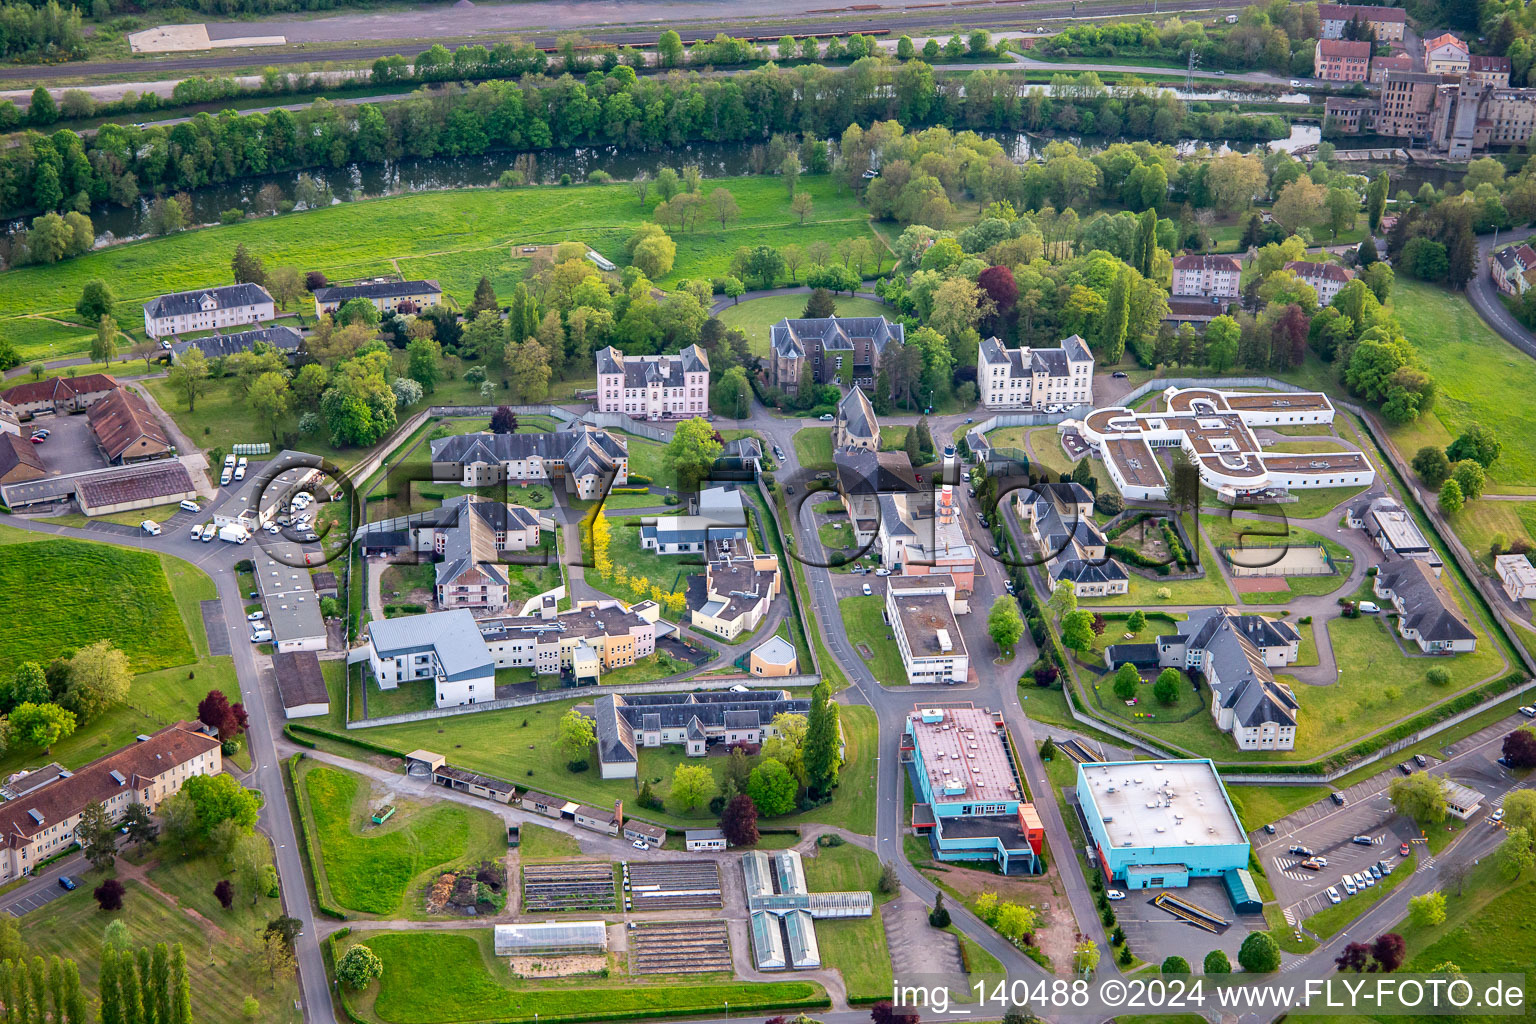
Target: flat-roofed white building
[
  {"x": 1517, "y": 575},
  {"x": 921, "y": 613}
]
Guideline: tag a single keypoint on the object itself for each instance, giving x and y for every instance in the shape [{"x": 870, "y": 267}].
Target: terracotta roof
[
  {"x": 1489, "y": 64},
  {"x": 121, "y": 419},
  {"x": 1343, "y": 12},
  {"x": 1444, "y": 39},
  {"x": 55, "y": 389},
  {"x": 1331, "y": 271},
  {"x": 1195, "y": 261},
  {"x": 19, "y": 460},
  {"x": 136, "y": 764},
  {"x": 1343, "y": 48}
]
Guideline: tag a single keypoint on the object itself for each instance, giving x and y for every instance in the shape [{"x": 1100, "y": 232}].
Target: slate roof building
[
  {"x": 58, "y": 395},
  {"x": 1060, "y": 521},
  {"x": 1427, "y": 614},
  {"x": 1325, "y": 278},
  {"x": 836, "y": 348},
  {"x": 1386, "y": 24},
  {"x": 1034, "y": 378},
  {"x": 387, "y": 296},
  {"x": 208, "y": 309},
  {"x": 1206, "y": 277},
  {"x": 443, "y": 648},
  {"x": 585, "y": 641},
  {"x": 127, "y": 431},
  {"x": 653, "y": 387},
  {"x": 1342, "y": 60},
  {"x": 1237, "y": 655},
  {"x": 1393, "y": 530},
  {"x": 220, "y": 346},
  {"x": 588, "y": 459},
  {"x": 734, "y": 594},
  {"x": 626, "y": 722},
  {"x": 856, "y": 426}
]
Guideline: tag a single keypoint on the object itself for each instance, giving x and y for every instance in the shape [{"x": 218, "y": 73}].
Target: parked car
[
  {"x": 38, "y": 439},
  {"x": 1270, "y": 829},
  {"x": 1120, "y": 375},
  {"x": 1311, "y": 864},
  {"x": 1008, "y": 586},
  {"x": 1333, "y": 895},
  {"x": 239, "y": 472},
  {"x": 826, "y": 417},
  {"x": 256, "y": 616},
  {"x": 882, "y": 572},
  {"x": 67, "y": 884},
  {"x": 1295, "y": 83},
  {"x": 1498, "y": 815},
  {"x": 1300, "y": 851},
  {"x": 189, "y": 505},
  {"x": 1338, "y": 798},
  {"x": 1321, "y": 860},
  {"x": 261, "y": 636},
  {"x": 150, "y": 527},
  {"x": 1367, "y": 608},
  {"x": 1375, "y": 871},
  {"x": 867, "y": 590},
  {"x": 1405, "y": 768},
  {"x": 640, "y": 844},
  {"x": 1349, "y": 884},
  {"x": 1114, "y": 894},
  {"x": 42, "y": 432},
  {"x": 1365, "y": 879},
  {"x": 197, "y": 531},
  {"x": 1420, "y": 760},
  {"x": 1404, "y": 850},
  {"x": 229, "y": 462},
  {"x": 789, "y": 489},
  {"x": 1528, "y": 711},
  {"x": 209, "y": 532},
  {"x": 1363, "y": 841},
  {"x": 226, "y": 476}
]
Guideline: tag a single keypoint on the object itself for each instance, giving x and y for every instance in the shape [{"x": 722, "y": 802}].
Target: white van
[
  {"x": 150, "y": 527},
  {"x": 261, "y": 636},
  {"x": 188, "y": 505},
  {"x": 226, "y": 476},
  {"x": 1368, "y": 608}
]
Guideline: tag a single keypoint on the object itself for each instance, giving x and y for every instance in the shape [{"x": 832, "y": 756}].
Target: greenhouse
[{"x": 553, "y": 938}]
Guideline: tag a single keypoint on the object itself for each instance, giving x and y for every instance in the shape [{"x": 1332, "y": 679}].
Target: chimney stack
[{"x": 618, "y": 812}]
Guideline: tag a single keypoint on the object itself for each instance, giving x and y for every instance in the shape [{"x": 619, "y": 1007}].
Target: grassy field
[
  {"x": 1237, "y": 532},
  {"x": 756, "y": 316},
  {"x": 813, "y": 447},
  {"x": 1482, "y": 378},
  {"x": 454, "y": 236},
  {"x": 1329, "y": 921},
  {"x": 1210, "y": 588},
  {"x": 222, "y": 951},
  {"x": 370, "y": 868},
  {"x": 539, "y": 843},
  {"x": 862, "y": 618},
  {"x": 454, "y": 976},
  {"x": 1044, "y": 450},
  {"x": 856, "y": 947}
]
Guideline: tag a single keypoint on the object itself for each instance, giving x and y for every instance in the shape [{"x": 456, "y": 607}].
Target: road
[
  {"x": 1485, "y": 299},
  {"x": 530, "y": 19}
]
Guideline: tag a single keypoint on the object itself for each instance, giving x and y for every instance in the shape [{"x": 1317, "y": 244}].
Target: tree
[
  {"x": 217, "y": 798},
  {"x": 1085, "y": 956},
  {"x": 1166, "y": 689},
  {"x": 224, "y": 892},
  {"x": 29, "y": 684},
  {"x": 104, "y": 344},
  {"x": 1175, "y": 965},
  {"x": 40, "y": 725},
  {"x": 1127, "y": 678},
  {"x": 574, "y": 736},
  {"x": 530, "y": 370},
  {"x": 692, "y": 784},
  {"x": 819, "y": 752},
  {"x": 1063, "y": 600},
  {"x": 285, "y": 284},
  {"x": 247, "y": 268},
  {"x": 1342, "y": 206},
  {"x": 1389, "y": 951},
  {"x": 1432, "y": 466},
  {"x": 1004, "y": 623},
  {"x": 139, "y": 820},
  {"x": 189, "y": 376},
  {"x": 1519, "y": 748},
  {"x": 1376, "y": 199},
  {"x": 503, "y": 420},
  {"x": 652, "y": 251},
  {"x": 178, "y": 822},
  {"x": 97, "y": 835},
  {"x": 692, "y": 452},
  {"x": 802, "y": 206},
  {"x": 1419, "y": 796},
  {"x": 1216, "y": 962},
  {"x": 1451, "y": 500},
  {"x": 722, "y": 206},
  {"x": 252, "y": 860},
  {"x": 1515, "y": 855},
  {"x": 1477, "y": 443},
  {"x": 739, "y": 821},
  {"x": 1077, "y": 631},
  {"x": 358, "y": 967},
  {"x": 485, "y": 297},
  {"x": 1469, "y": 476},
  {"x": 1259, "y": 954},
  {"x": 109, "y": 894},
  {"x": 669, "y": 50},
  {"x": 1427, "y": 910},
  {"x": 181, "y": 988},
  {"x": 424, "y": 354},
  {"x": 772, "y": 788},
  {"x": 1136, "y": 621},
  {"x": 96, "y": 301}
]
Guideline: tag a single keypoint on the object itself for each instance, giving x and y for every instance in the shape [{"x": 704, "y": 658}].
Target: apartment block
[
  {"x": 1035, "y": 378},
  {"x": 653, "y": 387},
  {"x": 1385, "y": 24},
  {"x": 1342, "y": 60},
  {"x": 1206, "y": 277}
]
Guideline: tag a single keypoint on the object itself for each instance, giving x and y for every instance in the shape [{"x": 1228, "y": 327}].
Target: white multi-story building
[
  {"x": 444, "y": 649},
  {"x": 587, "y": 458},
  {"x": 653, "y": 387},
  {"x": 1325, "y": 278},
  {"x": 921, "y": 612},
  {"x": 1034, "y": 378},
  {"x": 208, "y": 309},
  {"x": 1206, "y": 277}
]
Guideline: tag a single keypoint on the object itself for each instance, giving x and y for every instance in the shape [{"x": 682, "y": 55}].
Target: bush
[
  {"x": 234, "y": 215},
  {"x": 109, "y": 894},
  {"x": 579, "y": 765}
]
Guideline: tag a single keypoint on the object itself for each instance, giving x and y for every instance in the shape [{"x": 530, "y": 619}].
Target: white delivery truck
[{"x": 234, "y": 533}]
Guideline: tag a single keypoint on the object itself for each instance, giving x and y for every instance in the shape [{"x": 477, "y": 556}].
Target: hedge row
[
  {"x": 1139, "y": 517},
  {"x": 629, "y": 490},
  {"x": 307, "y": 840},
  {"x": 1136, "y": 558},
  {"x": 368, "y": 745},
  {"x": 639, "y": 479}
]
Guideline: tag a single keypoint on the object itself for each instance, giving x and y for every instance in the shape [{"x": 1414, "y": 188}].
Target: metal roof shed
[{"x": 552, "y": 938}]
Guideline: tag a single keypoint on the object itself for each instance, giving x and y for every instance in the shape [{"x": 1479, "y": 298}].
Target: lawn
[
  {"x": 1479, "y": 522},
  {"x": 862, "y": 618},
  {"x": 454, "y": 976},
  {"x": 1238, "y": 533},
  {"x": 222, "y": 955},
  {"x": 757, "y": 316},
  {"x": 370, "y": 868},
  {"x": 536, "y": 842},
  {"x": 855, "y": 946},
  {"x": 1043, "y": 446},
  {"x": 813, "y": 448},
  {"x": 1210, "y": 588}
]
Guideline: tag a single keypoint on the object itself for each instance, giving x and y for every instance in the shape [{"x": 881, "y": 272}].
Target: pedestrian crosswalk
[{"x": 1291, "y": 868}]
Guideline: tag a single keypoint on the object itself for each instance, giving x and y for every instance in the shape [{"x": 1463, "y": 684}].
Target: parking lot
[
  {"x": 70, "y": 448},
  {"x": 1155, "y": 934},
  {"x": 45, "y": 888}
]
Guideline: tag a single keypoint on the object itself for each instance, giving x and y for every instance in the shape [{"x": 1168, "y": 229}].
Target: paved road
[
  {"x": 1485, "y": 299},
  {"x": 43, "y": 888}
]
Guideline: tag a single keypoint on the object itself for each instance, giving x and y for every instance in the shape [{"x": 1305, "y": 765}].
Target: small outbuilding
[{"x": 300, "y": 684}]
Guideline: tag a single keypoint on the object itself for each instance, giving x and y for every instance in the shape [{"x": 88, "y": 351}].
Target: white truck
[{"x": 234, "y": 533}]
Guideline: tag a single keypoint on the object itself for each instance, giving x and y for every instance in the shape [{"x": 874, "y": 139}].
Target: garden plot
[
  {"x": 672, "y": 885},
  {"x": 585, "y": 886},
  {"x": 679, "y": 947}
]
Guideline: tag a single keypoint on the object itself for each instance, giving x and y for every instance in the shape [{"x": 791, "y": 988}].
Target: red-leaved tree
[
  {"x": 109, "y": 894},
  {"x": 739, "y": 821}
]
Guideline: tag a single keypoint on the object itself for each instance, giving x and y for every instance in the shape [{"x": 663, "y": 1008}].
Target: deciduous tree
[
  {"x": 40, "y": 725},
  {"x": 692, "y": 784},
  {"x": 109, "y": 894},
  {"x": 772, "y": 788},
  {"x": 739, "y": 821},
  {"x": 1004, "y": 623},
  {"x": 575, "y": 735},
  {"x": 1419, "y": 796},
  {"x": 189, "y": 376}
]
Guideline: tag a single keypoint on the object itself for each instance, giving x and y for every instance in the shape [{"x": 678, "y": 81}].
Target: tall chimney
[{"x": 618, "y": 812}]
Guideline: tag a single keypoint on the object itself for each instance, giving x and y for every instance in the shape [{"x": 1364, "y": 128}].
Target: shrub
[{"x": 109, "y": 894}]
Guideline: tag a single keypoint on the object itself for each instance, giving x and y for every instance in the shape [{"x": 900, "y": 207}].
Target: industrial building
[
  {"x": 783, "y": 910},
  {"x": 1157, "y": 824},
  {"x": 968, "y": 798}
]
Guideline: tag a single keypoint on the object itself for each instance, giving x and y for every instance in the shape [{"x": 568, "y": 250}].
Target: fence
[
  {"x": 1288, "y": 560},
  {"x": 577, "y": 693}
]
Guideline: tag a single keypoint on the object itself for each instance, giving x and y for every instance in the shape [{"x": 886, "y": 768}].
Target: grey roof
[
  {"x": 787, "y": 338},
  {"x": 743, "y": 448},
  {"x": 643, "y": 371},
  {"x": 1050, "y": 361},
  {"x": 453, "y": 635},
  {"x": 1066, "y": 537},
  {"x": 1241, "y": 680},
  {"x": 467, "y": 524},
  {"x": 218, "y": 346},
  {"x": 299, "y": 681},
  {"x": 696, "y": 713},
  {"x": 615, "y": 737},
  {"x": 866, "y": 472},
  {"x": 693, "y": 834},
  {"x": 376, "y": 290},
  {"x": 1136, "y": 654},
  {"x": 856, "y": 415},
  {"x": 1056, "y": 362},
  {"x": 227, "y": 296},
  {"x": 1077, "y": 349},
  {"x": 775, "y": 651},
  {"x": 1426, "y": 605},
  {"x": 586, "y": 446},
  {"x": 1506, "y": 258}
]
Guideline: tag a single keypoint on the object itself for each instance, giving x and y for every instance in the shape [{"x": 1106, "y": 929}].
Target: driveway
[
  {"x": 44, "y": 888},
  {"x": 70, "y": 448}
]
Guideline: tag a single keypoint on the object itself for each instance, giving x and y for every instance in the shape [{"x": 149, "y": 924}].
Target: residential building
[
  {"x": 445, "y": 649},
  {"x": 1215, "y": 429},
  {"x": 733, "y": 596},
  {"x": 1060, "y": 521},
  {"x": 1517, "y": 575},
  {"x": 19, "y": 460},
  {"x": 1341, "y": 60},
  {"x": 127, "y": 431},
  {"x": 208, "y": 309},
  {"x": 1393, "y": 529},
  {"x": 1493, "y": 71},
  {"x": 58, "y": 395},
  {"x": 300, "y": 684},
  {"x": 855, "y": 426},
  {"x": 10, "y": 419},
  {"x": 1325, "y": 278},
  {"x": 1345, "y": 116},
  {"x": 1236, "y": 654},
  {"x": 720, "y": 519},
  {"x": 1035, "y": 378},
  {"x": 695, "y": 721},
  {"x": 583, "y": 642},
  {"x": 41, "y": 823},
  {"x": 1427, "y": 614},
  {"x": 968, "y": 798},
  {"x": 1506, "y": 272},
  {"x": 589, "y": 459},
  {"x": 774, "y": 657},
  {"x": 846, "y": 349},
  {"x": 388, "y": 297},
  {"x": 921, "y": 613},
  {"x": 1385, "y": 24},
  {"x": 221, "y": 346},
  {"x": 1206, "y": 277},
  {"x": 920, "y": 534},
  {"x": 1157, "y": 824},
  {"x": 653, "y": 387},
  {"x": 704, "y": 840},
  {"x": 1445, "y": 54}
]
